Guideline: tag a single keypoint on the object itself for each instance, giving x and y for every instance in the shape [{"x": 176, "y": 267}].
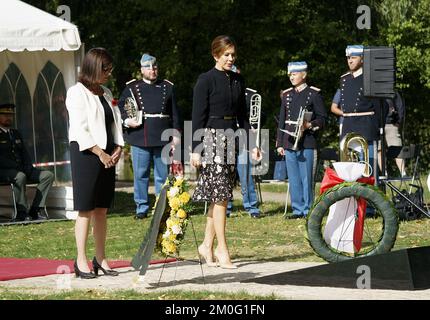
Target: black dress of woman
[
  {"x": 93, "y": 184},
  {"x": 219, "y": 109}
]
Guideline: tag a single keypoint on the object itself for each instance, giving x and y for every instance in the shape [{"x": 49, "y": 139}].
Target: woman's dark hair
[
  {"x": 222, "y": 43},
  {"x": 95, "y": 63}
]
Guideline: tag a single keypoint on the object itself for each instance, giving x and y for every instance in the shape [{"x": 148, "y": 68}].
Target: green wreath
[{"x": 341, "y": 191}]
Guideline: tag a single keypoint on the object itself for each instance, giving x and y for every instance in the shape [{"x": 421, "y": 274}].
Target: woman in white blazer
[{"x": 96, "y": 142}]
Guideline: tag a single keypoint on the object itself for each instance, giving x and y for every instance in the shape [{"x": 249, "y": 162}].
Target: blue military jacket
[
  {"x": 156, "y": 98},
  {"x": 309, "y": 98},
  {"x": 352, "y": 100}
]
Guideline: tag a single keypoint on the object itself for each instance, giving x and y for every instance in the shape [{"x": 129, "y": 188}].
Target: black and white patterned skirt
[{"x": 218, "y": 171}]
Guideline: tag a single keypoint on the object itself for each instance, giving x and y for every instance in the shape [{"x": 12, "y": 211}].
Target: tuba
[
  {"x": 255, "y": 115},
  {"x": 348, "y": 154}
]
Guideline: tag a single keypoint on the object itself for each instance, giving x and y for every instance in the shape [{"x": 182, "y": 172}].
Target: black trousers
[{"x": 44, "y": 180}]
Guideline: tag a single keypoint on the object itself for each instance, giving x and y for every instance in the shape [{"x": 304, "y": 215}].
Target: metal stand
[
  {"x": 178, "y": 259},
  {"x": 382, "y": 139},
  {"x": 286, "y": 199},
  {"x": 383, "y": 179},
  {"x": 393, "y": 188},
  {"x": 257, "y": 186}
]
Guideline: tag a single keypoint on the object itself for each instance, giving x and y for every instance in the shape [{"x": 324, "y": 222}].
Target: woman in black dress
[
  {"x": 218, "y": 105},
  {"x": 96, "y": 142}
]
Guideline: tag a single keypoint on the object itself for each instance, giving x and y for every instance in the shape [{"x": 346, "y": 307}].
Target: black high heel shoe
[
  {"x": 107, "y": 272},
  {"x": 83, "y": 275}
]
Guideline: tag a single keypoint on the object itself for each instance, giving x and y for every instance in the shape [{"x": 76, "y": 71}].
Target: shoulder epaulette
[
  {"x": 252, "y": 90},
  {"x": 131, "y": 81},
  {"x": 345, "y": 74},
  {"x": 286, "y": 90},
  {"x": 168, "y": 81},
  {"x": 315, "y": 88}
]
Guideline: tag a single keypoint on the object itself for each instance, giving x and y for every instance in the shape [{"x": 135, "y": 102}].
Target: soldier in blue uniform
[
  {"x": 244, "y": 170},
  {"x": 300, "y": 163},
  {"x": 16, "y": 166},
  {"x": 156, "y": 99},
  {"x": 359, "y": 114}
]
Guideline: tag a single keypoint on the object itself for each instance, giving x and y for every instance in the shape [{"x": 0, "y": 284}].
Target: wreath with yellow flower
[{"x": 175, "y": 220}]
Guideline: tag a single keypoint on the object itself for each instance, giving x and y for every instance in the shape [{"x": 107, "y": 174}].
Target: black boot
[
  {"x": 36, "y": 215},
  {"x": 21, "y": 216}
]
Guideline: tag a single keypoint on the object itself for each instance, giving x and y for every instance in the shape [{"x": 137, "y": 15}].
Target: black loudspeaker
[
  {"x": 379, "y": 72},
  {"x": 407, "y": 269}
]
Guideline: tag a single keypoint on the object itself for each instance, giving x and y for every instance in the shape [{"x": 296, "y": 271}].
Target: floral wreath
[{"x": 175, "y": 218}]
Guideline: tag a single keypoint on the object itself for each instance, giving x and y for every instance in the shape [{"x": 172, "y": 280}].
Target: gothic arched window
[
  {"x": 50, "y": 120},
  {"x": 14, "y": 89}
]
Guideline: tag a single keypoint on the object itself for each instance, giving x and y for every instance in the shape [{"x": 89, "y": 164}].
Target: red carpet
[{"x": 14, "y": 268}]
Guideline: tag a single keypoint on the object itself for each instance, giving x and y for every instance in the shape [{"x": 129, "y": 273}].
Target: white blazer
[{"x": 87, "y": 118}]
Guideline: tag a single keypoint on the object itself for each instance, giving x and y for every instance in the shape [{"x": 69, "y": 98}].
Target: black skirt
[
  {"x": 93, "y": 185},
  {"x": 217, "y": 172}
]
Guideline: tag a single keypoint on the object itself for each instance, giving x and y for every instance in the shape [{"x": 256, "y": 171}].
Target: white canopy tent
[
  {"x": 39, "y": 60},
  {"x": 39, "y": 54}
]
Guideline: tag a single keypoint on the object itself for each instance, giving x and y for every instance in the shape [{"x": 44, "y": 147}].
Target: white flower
[
  {"x": 166, "y": 234},
  {"x": 176, "y": 229},
  {"x": 173, "y": 192},
  {"x": 218, "y": 169},
  {"x": 217, "y": 159}
]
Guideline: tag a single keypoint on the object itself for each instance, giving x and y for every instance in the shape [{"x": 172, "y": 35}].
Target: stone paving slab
[{"x": 187, "y": 275}]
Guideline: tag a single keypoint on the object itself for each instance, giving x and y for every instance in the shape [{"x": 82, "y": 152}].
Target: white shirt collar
[
  {"x": 357, "y": 73},
  {"x": 148, "y": 81},
  {"x": 301, "y": 87}
]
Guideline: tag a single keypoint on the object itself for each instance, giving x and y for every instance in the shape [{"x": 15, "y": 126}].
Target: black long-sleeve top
[{"x": 219, "y": 94}]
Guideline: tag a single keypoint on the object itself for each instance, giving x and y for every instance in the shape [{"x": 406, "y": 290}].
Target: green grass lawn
[
  {"x": 13, "y": 294},
  {"x": 271, "y": 238}
]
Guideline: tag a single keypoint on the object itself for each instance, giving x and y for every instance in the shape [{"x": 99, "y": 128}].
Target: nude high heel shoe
[
  {"x": 223, "y": 260},
  {"x": 204, "y": 253}
]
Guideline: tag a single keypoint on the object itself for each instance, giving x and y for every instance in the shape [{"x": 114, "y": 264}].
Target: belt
[
  {"x": 223, "y": 117},
  {"x": 155, "y": 115},
  {"x": 359, "y": 114},
  {"x": 290, "y": 122}
]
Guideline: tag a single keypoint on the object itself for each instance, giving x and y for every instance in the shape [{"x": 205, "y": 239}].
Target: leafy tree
[{"x": 269, "y": 34}]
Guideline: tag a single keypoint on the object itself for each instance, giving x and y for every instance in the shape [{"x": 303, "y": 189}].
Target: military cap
[
  {"x": 148, "y": 60},
  {"x": 354, "y": 50},
  {"x": 297, "y": 66},
  {"x": 7, "y": 108}
]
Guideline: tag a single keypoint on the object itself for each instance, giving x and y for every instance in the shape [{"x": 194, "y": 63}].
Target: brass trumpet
[{"x": 298, "y": 132}]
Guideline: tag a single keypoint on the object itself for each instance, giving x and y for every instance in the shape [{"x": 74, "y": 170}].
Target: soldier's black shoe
[
  {"x": 35, "y": 214},
  {"x": 294, "y": 216},
  {"x": 255, "y": 215},
  {"x": 141, "y": 216},
  {"x": 21, "y": 216}
]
